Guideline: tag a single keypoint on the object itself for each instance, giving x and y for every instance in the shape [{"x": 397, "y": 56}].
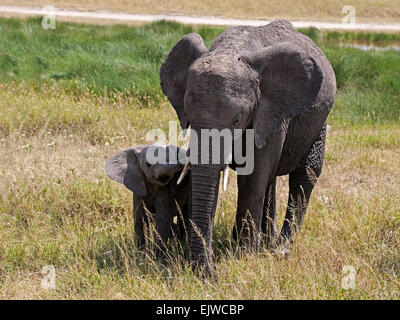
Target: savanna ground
[
  {"x": 71, "y": 97},
  {"x": 368, "y": 11}
]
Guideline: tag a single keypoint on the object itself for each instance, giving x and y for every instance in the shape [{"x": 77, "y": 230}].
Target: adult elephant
[{"x": 271, "y": 79}]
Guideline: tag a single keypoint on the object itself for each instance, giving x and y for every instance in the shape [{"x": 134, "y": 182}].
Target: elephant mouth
[{"x": 163, "y": 179}]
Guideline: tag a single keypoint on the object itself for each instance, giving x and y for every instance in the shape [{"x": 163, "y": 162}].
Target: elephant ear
[
  {"x": 124, "y": 168},
  {"x": 174, "y": 71},
  {"x": 290, "y": 80}
]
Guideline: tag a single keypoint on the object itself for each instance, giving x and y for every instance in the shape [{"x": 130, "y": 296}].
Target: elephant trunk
[
  {"x": 205, "y": 183},
  {"x": 206, "y": 163}
]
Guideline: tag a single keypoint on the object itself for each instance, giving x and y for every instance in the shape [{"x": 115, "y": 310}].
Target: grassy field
[
  {"x": 126, "y": 60},
  {"x": 315, "y": 10},
  {"x": 72, "y": 97}
]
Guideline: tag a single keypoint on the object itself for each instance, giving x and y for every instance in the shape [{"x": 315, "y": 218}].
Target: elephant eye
[{"x": 237, "y": 118}]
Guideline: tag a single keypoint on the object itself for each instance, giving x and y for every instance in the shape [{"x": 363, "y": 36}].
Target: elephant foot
[
  {"x": 205, "y": 272},
  {"x": 282, "y": 248},
  {"x": 269, "y": 241},
  {"x": 282, "y": 252},
  {"x": 202, "y": 267}
]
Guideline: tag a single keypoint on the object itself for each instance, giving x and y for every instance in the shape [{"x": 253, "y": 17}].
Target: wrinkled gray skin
[
  {"x": 154, "y": 188},
  {"x": 269, "y": 78}
]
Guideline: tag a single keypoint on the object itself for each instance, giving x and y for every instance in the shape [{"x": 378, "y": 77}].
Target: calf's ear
[{"x": 124, "y": 168}]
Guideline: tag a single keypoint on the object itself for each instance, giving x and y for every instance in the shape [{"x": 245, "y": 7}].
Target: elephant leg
[
  {"x": 301, "y": 183},
  {"x": 183, "y": 222},
  {"x": 140, "y": 222},
  {"x": 164, "y": 229},
  {"x": 269, "y": 222},
  {"x": 247, "y": 226},
  {"x": 252, "y": 191}
]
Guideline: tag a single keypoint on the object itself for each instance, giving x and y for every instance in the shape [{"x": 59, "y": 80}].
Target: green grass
[
  {"x": 116, "y": 58},
  {"x": 110, "y": 59},
  {"x": 368, "y": 85},
  {"x": 375, "y": 38},
  {"x": 67, "y": 103}
]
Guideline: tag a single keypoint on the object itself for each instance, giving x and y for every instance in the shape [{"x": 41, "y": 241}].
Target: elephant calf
[{"x": 155, "y": 188}]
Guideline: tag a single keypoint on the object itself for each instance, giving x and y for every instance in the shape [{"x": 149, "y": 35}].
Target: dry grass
[
  {"x": 58, "y": 207},
  {"x": 316, "y": 10}
]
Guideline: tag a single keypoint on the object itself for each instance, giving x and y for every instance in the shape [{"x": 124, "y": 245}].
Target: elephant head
[
  {"x": 138, "y": 170},
  {"x": 225, "y": 89}
]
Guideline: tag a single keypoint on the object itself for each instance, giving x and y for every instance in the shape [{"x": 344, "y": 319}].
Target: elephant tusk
[
  {"x": 225, "y": 176},
  {"x": 185, "y": 131},
  {"x": 184, "y": 172}
]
